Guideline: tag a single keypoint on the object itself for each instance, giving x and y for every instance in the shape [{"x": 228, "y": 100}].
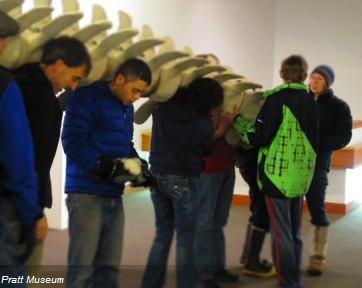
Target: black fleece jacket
[
  {"x": 335, "y": 128},
  {"x": 45, "y": 118},
  {"x": 180, "y": 139}
]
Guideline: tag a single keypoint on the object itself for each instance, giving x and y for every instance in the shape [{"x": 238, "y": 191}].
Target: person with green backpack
[{"x": 286, "y": 133}]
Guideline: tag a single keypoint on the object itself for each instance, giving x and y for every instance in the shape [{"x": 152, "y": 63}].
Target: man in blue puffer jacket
[{"x": 97, "y": 139}]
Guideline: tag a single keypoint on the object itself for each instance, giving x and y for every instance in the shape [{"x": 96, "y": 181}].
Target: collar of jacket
[
  {"x": 33, "y": 71},
  {"x": 326, "y": 95},
  {"x": 293, "y": 85},
  {"x": 103, "y": 86}
]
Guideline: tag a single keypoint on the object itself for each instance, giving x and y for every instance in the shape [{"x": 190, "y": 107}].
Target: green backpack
[{"x": 290, "y": 159}]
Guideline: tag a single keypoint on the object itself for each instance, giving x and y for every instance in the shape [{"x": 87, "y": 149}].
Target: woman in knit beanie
[
  {"x": 321, "y": 79},
  {"x": 335, "y": 131}
]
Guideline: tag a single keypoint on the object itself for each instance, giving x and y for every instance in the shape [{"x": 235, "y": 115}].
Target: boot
[
  {"x": 246, "y": 248},
  {"x": 317, "y": 260},
  {"x": 253, "y": 265}
]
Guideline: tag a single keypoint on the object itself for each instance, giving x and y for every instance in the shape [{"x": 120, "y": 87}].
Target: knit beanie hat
[
  {"x": 327, "y": 73},
  {"x": 8, "y": 26}
]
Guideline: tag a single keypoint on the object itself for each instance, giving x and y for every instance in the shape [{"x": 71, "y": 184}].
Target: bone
[
  {"x": 13, "y": 51},
  {"x": 101, "y": 63},
  {"x": 171, "y": 68},
  {"x": 188, "y": 50},
  {"x": 70, "y": 6},
  {"x": 99, "y": 25},
  {"x": 42, "y": 3},
  {"x": 190, "y": 75},
  {"x": 59, "y": 24},
  {"x": 125, "y": 21},
  {"x": 35, "y": 41},
  {"x": 117, "y": 57},
  {"x": 8, "y": 5},
  {"x": 166, "y": 55},
  {"x": 251, "y": 104},
  {"x": 38, "y": 26},
  {"x": 234, "y": 93},
  {"x": 147, "y": 33},
  {"x": 223, "y": 77},
  {"x": 170, "y": 77},
  {"x": 163, "y": 58},
  {"x": 33, "y": 16},
  {"x": 144, "y": 111},
  {"x": 168, "y": 45}
]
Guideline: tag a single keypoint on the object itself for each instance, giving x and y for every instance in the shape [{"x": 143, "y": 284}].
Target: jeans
[
  {"x": 9, "y": 247},
  {"x": 175, "y": 204},
  {"x": 316, "y": 197},
  {"x": 214, "y": 201},
  {"x": 286, "y": 217},
  {"x": 96, "y": 225}
]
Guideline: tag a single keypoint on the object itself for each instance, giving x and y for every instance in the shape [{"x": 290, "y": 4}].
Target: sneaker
[
  {"x": 209, "y": 283},
  {"x": 259, "y": 268},
  {"x": 223, "y": 275},
  {"x": 316, "y": 265}
]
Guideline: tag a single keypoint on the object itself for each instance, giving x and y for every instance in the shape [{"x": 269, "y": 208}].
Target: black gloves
[
  {"x": 27, "y": 240},
  {"x": 145, "y": 178},
  {"x": 119, "y": 170}
]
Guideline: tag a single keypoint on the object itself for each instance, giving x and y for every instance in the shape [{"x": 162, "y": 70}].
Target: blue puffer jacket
[
  {"x": 96, "y": 124},
  {"x": 17, "y": 176}
]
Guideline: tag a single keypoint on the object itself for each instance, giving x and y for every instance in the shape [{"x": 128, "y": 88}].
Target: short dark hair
[
  {"x": 204, "y": 95},
  {"x": 72, "y": 51},
  {"x": 294, "y": 68},
  {"x": 135, "y": 68}
]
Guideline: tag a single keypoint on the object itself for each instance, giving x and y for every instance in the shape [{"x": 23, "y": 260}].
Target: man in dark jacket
[
  {"x": 64, "y": 62},
  {"x": 97, "y": 140},
  {"x": 182, "y": 134},
  {"x": 286, "y": 131},
  {"x": 335, "y": 131},
  {"x": 18, "y": 186}
]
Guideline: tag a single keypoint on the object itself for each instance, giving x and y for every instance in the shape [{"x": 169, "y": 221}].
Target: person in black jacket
[
  {"x": 64, "y": 63},
  {"x": 335, "y": 131},
  {"x": 182, "y": 134},
  {"x": 286, "y": 133}
]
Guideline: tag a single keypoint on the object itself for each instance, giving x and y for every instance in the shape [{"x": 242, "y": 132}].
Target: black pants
[
  {"x": 247, "y": 163},
  {"x": 316, "y": 197}
]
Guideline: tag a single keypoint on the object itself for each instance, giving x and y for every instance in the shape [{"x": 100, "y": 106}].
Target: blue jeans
[
  {"x": 286, "y": 217},
  {"x": 96, "y": 226},
  {"x": 214, "y": 201},
  {"x": 9, "y": 247},
  {"x": 175, "y": 204},
  {"x": 316, "y": 197}
]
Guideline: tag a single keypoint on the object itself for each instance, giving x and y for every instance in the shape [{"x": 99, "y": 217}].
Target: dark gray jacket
[
  {"x": 335, "y": 128},
  {"x": 180, "y": 139}
]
